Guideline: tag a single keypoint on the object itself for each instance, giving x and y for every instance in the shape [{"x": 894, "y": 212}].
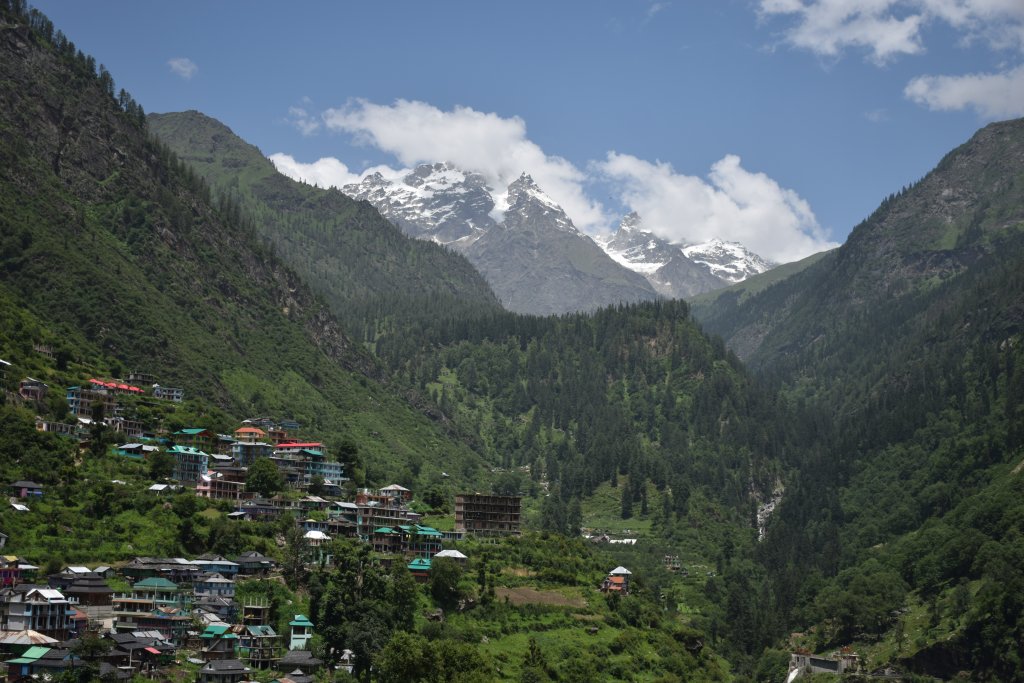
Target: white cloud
[
  {"x": 325, "y": 172},
  {"x": 494, "y": 146},
  {"x": 183, "y": 66},
  {"x": 889, "y": 28},
  {"x": 992, "y": 95},
  {"x": 303, "y": 121},
  {"x": 733, "y": 204}
]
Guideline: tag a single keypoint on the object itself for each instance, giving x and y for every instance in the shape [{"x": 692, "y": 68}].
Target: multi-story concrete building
[
  {"x": 140, "y": 378},
  {"x": 190, "y": 463},
  {"x": 154, "y": 604},
  {"x": 175, "y": 394},
  {"x": 35, "y": 608},
  {"x": 203, "y": 439},
  {"x": 82, "y": 401},
  {"x": 223, "y": 483},
  {"x": 33, "y": 389},
  {"x": 488, "y": 515},
  {"x": 246, "y": 453},
  {"x": 302, "y": 462}
]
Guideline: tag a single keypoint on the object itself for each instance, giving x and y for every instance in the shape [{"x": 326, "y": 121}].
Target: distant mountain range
[
  {"x": 681, "y": 271},
  {"x": 535, "y": 259}
]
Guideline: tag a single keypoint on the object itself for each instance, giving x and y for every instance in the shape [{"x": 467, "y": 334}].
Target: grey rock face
[{"x": 538, "y": 262}]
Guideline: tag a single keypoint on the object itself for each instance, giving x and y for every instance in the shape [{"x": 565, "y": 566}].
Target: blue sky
[{"x": 779, "y": 123}]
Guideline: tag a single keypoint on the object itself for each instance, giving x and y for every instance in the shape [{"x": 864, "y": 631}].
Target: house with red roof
[
  {"x": 115, "y": 387},
  {"x": 617, "y": 581},
  {"x": 250, "y": 434}
]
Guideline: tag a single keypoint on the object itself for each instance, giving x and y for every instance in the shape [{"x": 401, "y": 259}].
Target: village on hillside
[{"x": 153, "y": 613}]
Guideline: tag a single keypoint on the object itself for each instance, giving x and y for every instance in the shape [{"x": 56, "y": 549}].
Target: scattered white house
[
  {"x": 316, "y": 538},
  {"x": 453, "y": 555}
]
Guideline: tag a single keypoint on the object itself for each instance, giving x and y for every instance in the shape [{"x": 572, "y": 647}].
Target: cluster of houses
[
  {"x": 173, "y": 604},
  {"x": 86, "y": 401},
  {"x": 179, "y": 603},
  {"x": 216, "y": 464},
  {"x": 176, "y": 603}
]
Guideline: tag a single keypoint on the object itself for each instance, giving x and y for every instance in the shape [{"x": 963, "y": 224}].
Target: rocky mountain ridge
[
  {"x": 534, "y": 257},
  {"x": 436, "y": 202},
  {"x": 456, "y": 208}
]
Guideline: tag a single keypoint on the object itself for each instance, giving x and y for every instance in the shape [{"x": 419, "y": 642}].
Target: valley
[{"x": 700, "y": 465}]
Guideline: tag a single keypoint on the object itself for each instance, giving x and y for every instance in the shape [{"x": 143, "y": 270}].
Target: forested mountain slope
[
  {"x": 925, "y": 235},
  {"x": 364, "y": 267},
  {"x": 117, "y": 250},
  {"x": 907, "y": 343}
]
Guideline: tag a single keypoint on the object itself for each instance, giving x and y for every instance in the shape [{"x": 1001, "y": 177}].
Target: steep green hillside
[
  {"x": 116, "y": 248},
  {"x": 917, "y": 239},
  {"x": 907, "y": 343},
  {"x": 365, "y": 268}
]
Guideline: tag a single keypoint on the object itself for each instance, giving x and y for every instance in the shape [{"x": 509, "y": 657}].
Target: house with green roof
[
  {"x": 424, "y": 541},
  {"x": 420, "y": 569},
  {"x": 202, "y": 439},
  {"x": 407, "y": 539},
  {"x": 154, "y": 604},
  {"x": 302, "y": 631},
  {"x": 190, "y": 463},
  {"x": 219, "y": 642},
  {"x": 386, "y": 540},
  {"x": 22, "y": 665},
  {"x": 260, "y": 645}
]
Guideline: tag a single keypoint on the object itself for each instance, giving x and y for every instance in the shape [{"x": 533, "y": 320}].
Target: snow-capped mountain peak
[
  {"x": 676, "y": 271},
  {"x": 630, "y": 223},
  {"x": 435, "y": 201},
  {"x": 730, "y": 261},
  {"x": 636, "y": 249},
  {"x": 530, "y": 206}
]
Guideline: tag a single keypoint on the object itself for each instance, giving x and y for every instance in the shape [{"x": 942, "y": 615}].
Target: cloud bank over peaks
[
  {"x": 494, "y": 146},
  {"x": 734, "y": 204},
  {"x": 328, "y": 171}
]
